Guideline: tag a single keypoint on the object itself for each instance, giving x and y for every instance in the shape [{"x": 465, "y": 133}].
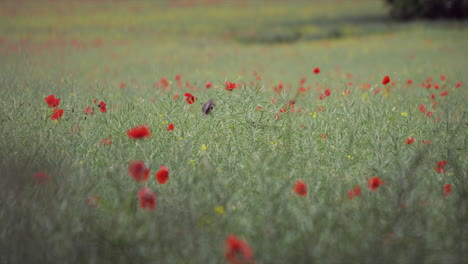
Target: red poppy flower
[
  {"x": 386, "y": 80},
  {"x": 208, "y": 85},
  {"x": 409, "y": 141},
  {"x": 356, "y": 191},
  {"x": 324, "y": 136},
  {"x": 139, "y": 132},
  {"x": 374, "y": 183},
  {"x": 426, "y": 142},
  {"x": 238, "y": 251},
  {"x": 442, "y": 163},
  {"x": 165, "y": 83},
  {"x": 422, "y": 108},
  {"x": 170, "y": 127},
  {"x": 283, "y": 110},
  {"x": 57, "y": 114},
  {"x": 444, "y": 93},
  {"x": 442, "y": 77},
  {"x": 106, "y": 141},
  {"x": 89, "y": 110},
  {"x": 320, "y": 97},
  {"x": 102, "y": 107},
  {"x": 189, "y": 98},
  {"x": 175, "y": 97},
  {"x": 409, "y": 81},
  {"x": 52, "y": 101},
  {"x": 317, "y": 70},
  {"x": 42, "y": 178},
  {"x": 447, "y": 189},
  {"x": 458, "y": 84},
  {"x": 327, "y": 92},
  {"x": 162, "y": 175},
  {"x": 230, "y": 86},
  {"x": 138, "y": 171},
  {"x": 178, "y": 77},
  {"x": 147, "y": 198},
  {"x": 300, "y": 188},
  {"x": 429, "y": 114},
  {"x": 93, "y": 201},
  {"x": 122, "y": 85},
  {"x": 433, "y": 96}
]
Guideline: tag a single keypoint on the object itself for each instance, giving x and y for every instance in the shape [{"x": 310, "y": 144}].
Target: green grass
[{"x": 237, "y": 158}]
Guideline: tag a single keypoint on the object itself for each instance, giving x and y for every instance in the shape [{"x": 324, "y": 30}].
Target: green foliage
[{"x": 431, "y": 9}]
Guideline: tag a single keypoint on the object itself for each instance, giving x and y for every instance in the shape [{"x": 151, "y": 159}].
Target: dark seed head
[{"x": 208, "y": 107}]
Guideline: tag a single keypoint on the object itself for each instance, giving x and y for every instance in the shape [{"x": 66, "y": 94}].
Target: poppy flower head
[
  {"x": 89, "y": 110},
  {"x": 386, "y": 80},
  {"x": 327, "y": 92},
  {"x": 447, "y": 189},
  {"x": 238, "y": 251},
  {"x": 374, "y": 183},
  {"x": 300, "y": 188},
  {"x": 422, "y": 108},
  {"x": 317, "y": 70},
  {"x": 208, "y": 85},
  {"x": 42, "y": 178},
  {"x": 162, "y": 175},
  {"x": 57, "y": 114},
  {"x": 409, "y": 82},
  {"x": 444, "y": 93},
  {"x": 409, "y": 141},
  {"x": 458, "y": 84},
  {"x": 230, "y": 86},
  {"x": 106, "y": 141},
  {"x": 139, "y": 132},
  {"x": 189, "y": 98},
  {"x": 356, "y": 191},
  {"x": 102, "y": 107},
  {"x": 52, "y": 101},
  {"x": 147, "y": 198},
  {"x": 138, "y": 171},
  {"x": 170, "y": 127}
]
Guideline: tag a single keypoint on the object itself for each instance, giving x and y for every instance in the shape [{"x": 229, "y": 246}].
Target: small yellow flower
[
  {"x": 161, "y": 115},
  {"x": 164, "y": 122},
  {"x": 349, "y": 157},
  {"x": 81, "y": 162},
  {"x": 204, "y": 147},
  {"x": 192, "y": 162},
  {"x": 181, "y": 138},
  {"x": 314, "y": 114},
  {"x": 219, "y": 209},
  {"x": 404, "y": 114}
]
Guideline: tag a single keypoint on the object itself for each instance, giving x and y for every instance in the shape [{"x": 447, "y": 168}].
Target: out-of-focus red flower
[
  {"x": 426, "y": 142},
  {"x": 320, "y": 97},
  {"x": 422, "y": 108},
  {"x": 440, "y": 166},
  {"x": 165, "y": 83},
  {"x": 175, "y": 97},
  {"x": 57, "y": 114},
  {"x": 374, "y": 183},
  {"x": 42, "y": 178},
  {"x": 409, "y": 82},
  {"x": 106, "y": 142},
  {"x": 324, "y": 136},
  {"x": 386, "y": 80},
  {"x": 147, "y": 199},
  {"x": 162, "y": 175},
  {"x": 89, "y": 110},
  {"x": 139, "y": 132},
  {"x": 138, "y": 171},
  {"x": 409, "y": 141},
  {"x": 230, "y": 86},
  {"x": 208, "y": 85},
  {"x": 444, "y": 93},
  {"x": 102, "y": 107},
  {"x": 52, "y": 101},
  {"x": 432, "y": 96},
  {"x": 356, "y": 191},
  {"x": 189, "y": 98},
  {"x": 170, "y": 127},
  {"x": 327, "y": 92},
  {"x": 317, "y": 70},
  {"x": 429, "y": 114},
  {"x": 447, "y": 189},
  {"x": 442, "y": 77},
  {"x": 178, "y": 77},
  {"x": 238, "y": 251},
  {"x": 93, "y": 201},
  {"x": 122, "y": 85},
  {"x": 300, "y": 188},
  {"x": 283, "y": 110},
  {"x": 458, "y": 84}
]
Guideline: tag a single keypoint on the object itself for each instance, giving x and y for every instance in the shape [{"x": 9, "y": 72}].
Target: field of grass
[{"x": 232, "y": 172}]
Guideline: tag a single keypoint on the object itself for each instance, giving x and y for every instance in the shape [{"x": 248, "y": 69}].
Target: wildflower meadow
[{"x": 231, "y": 131}]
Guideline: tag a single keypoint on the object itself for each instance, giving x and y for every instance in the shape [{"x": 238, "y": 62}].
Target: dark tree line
[{"x": 429, "y": 9}]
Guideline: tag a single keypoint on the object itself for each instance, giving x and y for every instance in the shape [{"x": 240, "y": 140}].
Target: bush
[{"x": 430, "y": 9}]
